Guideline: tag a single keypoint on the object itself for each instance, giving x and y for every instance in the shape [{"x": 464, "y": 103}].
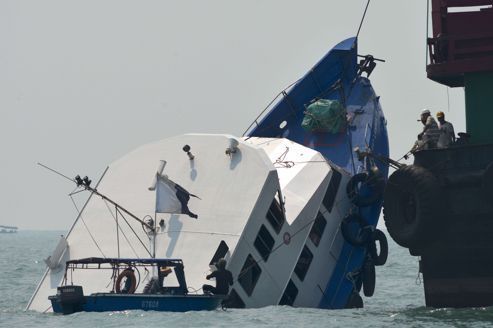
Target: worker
[
  {"x": 224, "y": 279},
  {"x": 155, "y": 285},
  {"x": 428, "y": 138},
  {"x": 447, "y": 134}
]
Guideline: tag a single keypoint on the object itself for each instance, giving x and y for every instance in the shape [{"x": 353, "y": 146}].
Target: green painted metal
[{"x": 479, "y": 106}]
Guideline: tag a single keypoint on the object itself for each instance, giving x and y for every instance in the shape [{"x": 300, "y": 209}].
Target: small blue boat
[{"x": 70, "y": 298}]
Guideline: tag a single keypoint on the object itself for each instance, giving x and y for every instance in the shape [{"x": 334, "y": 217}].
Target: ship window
[
  {"x": 331, "y": 193},
  {"x": 304, "y": 262},
  {"x": 221, "y": 252},
  {"x": 289, "y": 294},
  {"x": 275, "y": 215},
  {"x": 249, "y": 275},
  {"x": 318, "y": 229},
  {"x": 264, "y": 242},
  {"x": 234, "y": 301}
]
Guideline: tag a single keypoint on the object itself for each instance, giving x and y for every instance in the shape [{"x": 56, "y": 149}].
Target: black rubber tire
[
  {"x": 363, "y": 234},
  {"x": 368, "y": 277},
  {"x": 379, "y": 258},
  {"x": 374, "y": 182},
  {"x": 413, "y": 206}
]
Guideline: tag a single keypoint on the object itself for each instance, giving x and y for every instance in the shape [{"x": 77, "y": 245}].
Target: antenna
[
  {"x": 363, "y": 18},
  {"x": 54, "y": 171},
  {"x": 86, "y": 184}
]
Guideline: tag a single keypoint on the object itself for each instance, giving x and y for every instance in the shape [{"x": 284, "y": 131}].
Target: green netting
[{"x": 325, "y": 115}]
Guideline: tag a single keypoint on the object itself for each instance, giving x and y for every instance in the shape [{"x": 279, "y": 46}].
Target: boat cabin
[{"x": 126, "y": 275}]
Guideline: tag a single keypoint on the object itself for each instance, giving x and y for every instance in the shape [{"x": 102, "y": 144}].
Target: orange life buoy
[{"x": 131, "y": 282}]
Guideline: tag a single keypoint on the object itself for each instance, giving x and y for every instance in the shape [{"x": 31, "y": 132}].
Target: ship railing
[{"x": 281, "y": 95}]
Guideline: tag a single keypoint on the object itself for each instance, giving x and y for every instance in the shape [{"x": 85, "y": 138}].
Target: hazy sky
[{"x": 84, "y": 82}]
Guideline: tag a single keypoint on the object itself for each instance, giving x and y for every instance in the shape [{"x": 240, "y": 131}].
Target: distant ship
[
  {"x": 8, "y": 229},
  {"x": 290, "y": 205}
]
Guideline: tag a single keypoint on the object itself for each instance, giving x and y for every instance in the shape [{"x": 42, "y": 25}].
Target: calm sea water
[{"x": 398, "y": 300}]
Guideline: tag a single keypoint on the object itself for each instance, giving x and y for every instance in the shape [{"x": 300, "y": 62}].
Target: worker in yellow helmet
[{"x": 447, "y": 134}]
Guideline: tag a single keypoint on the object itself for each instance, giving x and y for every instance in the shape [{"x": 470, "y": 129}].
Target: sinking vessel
[
  {"x": 440, "y": 207},
  {"x": 289, "y": 205}
]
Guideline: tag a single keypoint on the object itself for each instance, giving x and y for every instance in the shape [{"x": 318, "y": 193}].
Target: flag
[{"x": 172, "y": 198}]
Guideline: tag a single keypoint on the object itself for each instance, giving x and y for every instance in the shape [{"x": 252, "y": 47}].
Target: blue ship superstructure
[{"x": 337, "y": 76}]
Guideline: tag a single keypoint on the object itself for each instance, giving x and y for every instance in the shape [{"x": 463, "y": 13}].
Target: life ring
[
  {"x": 368, "y": 277},
  {"x": 379, "y": 258},
  {"x": 130, "y": 276},
  {"x": 413, "y": 207},
  {"x": 355, "y": 230},
  {"x": 364, "y": 189}
]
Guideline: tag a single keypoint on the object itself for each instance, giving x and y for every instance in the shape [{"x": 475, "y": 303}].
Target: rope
[{"x": 280, "y": 161}]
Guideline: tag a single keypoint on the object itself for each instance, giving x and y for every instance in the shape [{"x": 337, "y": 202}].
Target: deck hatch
[
  {"x": 249, "y": 274},
  {"x": 275, "y": 215},
  {"x": 221, "y": 252},
  {"x": 318, "y": 229},
  {"x": 304, "y": 262},
  {"x": 264, "y": 242},
  {"x": 331, "y": 193},
  {"x": 234, "y": 300},
  {"x": 289, "y": 294}
]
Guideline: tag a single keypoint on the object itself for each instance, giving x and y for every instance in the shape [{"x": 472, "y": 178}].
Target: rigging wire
[
  {"x": 427, "y": 27},
  {"x": 118, "y": 212},
  {"x": 115, "y": 217},
  {"x": 87, "y": 228},
  {"x": 140, "y": 240},
  {"x": 448, "y": 99},
  {"x": 362, "y": 19}
]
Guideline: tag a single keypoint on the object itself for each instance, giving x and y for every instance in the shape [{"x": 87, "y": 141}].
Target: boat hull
[
  {"x": 454, "y": 238},
  {"x": 103, "y": 302}
]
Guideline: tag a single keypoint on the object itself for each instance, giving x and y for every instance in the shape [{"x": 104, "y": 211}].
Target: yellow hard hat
[{"x": 440, "y": 114}]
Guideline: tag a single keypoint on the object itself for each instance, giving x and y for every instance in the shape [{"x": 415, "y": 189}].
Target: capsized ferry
[{"x": 290, "y": 205}]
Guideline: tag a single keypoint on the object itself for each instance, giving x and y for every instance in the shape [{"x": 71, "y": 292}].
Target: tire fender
[
  {"x": 413, "y": 206},
  {"x": 379, "y": 258},
  {"x": 355, "y": 230},
  {"x": 365, "y": 189},
  {"x": 368, "y": 277}
]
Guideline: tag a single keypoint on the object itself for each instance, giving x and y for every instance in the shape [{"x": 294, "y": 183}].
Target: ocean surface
[{"x": 398, "y": 299}]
